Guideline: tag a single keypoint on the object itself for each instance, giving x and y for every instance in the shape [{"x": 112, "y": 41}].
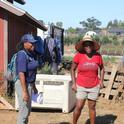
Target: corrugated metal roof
[{"x": 19, "y": 12}]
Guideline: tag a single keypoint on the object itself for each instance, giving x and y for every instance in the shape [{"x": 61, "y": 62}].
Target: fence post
[{"x": 122, "y": 51}]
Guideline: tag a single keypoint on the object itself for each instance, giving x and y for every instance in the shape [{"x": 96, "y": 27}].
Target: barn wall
[
  {"x": 12, "y": 27},
  {"x": 16, "y": 28},
  {"x": 1, "y": 41}
]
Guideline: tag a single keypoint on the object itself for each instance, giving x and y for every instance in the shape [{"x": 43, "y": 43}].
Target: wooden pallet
[
  {"x": 119, "y": 94},
  {"x": 114, "y": 84}
]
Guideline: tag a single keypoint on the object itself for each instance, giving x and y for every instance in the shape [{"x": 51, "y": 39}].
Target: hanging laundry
[
  {"x": 39, "y": 50},
  {"x": 39, "y": 45},
  {"x": 47, "y": 56},
  {"x": 59, "y": 50}
]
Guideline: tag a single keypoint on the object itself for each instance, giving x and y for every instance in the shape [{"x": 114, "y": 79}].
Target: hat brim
[
  {"x": 34, "y": 41},
  {"x": 79, "y": 46}
]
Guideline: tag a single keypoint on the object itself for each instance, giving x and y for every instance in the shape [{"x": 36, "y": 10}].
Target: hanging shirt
[
  {"x": 51, "y": 45},
  {"x": 47, "y": 56},
  {"x": 87, "y": 75}
]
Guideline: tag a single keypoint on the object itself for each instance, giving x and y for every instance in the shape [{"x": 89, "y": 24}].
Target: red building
[{"x": 14, "y": 22}]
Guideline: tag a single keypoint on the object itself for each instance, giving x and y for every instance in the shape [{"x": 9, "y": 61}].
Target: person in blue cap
[{"x": 26, "y": 67}]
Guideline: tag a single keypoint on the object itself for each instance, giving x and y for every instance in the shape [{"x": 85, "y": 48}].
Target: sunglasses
[{"x": 88, "y": 43}]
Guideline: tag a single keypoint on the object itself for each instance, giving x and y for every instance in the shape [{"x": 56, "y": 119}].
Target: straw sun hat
[{"x": 79, "y": 46}]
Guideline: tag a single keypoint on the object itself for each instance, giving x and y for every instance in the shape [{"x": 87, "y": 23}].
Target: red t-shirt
[{"x": 87, "y": 75}]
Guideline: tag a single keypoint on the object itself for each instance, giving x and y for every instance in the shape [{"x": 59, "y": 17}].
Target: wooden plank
[
  {"x": 8, "y": 105},
  {"x": 107, "y": 77},
  {"x": 109, "y": 87},
  {"x": 107, "y": 69},
  {"x": 120, "y": 90}
]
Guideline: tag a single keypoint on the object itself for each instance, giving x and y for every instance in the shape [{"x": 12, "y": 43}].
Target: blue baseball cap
[{"x": 28, "y": 38}]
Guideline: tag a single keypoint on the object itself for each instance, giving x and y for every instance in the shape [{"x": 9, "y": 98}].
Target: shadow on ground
[
  {"x": 49, "y": 110},
  {"x": 106, "y": 119},
  {"x": 46, "y": 110}
]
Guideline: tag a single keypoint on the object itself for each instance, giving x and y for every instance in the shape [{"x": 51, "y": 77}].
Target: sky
[{"x": 71, "y": 12}]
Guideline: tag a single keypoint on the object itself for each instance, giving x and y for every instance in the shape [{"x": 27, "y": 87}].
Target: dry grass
[{"x": 2, "y": 88}]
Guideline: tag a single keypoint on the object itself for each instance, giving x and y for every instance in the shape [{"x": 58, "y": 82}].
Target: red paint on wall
[
  {"x": 1, "y": 42},
  {"x": 16, "y": 27}
]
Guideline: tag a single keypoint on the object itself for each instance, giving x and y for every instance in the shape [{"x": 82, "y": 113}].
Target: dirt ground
[{"x": 107, "y": 113}]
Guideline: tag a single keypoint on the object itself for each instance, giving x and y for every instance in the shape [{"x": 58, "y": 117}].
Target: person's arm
[
  {"x": 102, "y": 71},
  {"x": 24, "y": 87},
  {"x": 34, "y": 88},
  {"x": 73, "y": 75},
  {"x": 21, "y": 67}
]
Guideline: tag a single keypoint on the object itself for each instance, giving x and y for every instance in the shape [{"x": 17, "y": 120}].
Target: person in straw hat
[{"x": 87, "y": 83}]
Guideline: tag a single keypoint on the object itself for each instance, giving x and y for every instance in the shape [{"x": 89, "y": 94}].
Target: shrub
[
  {"x": 108, "y": 61},
  {"x": 46, "y": 69}
]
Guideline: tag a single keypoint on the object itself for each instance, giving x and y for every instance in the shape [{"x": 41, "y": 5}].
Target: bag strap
[{"x": 10, "y": 65}]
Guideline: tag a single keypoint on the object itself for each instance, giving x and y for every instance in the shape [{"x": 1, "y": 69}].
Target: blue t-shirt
[{"x": 28, "y": 65}]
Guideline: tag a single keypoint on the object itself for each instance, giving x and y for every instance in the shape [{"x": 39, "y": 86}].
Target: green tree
[
  {"x": 121, "y": 24},
  {"x": 51, "y": 24},
  {"x": 91, "y": 24},
  {"x": 115, "y": 23},
  {"x": 109, "y": 25},
  {"x": 105, "y": 40},
  {"x": 59, "y": 24},
  {"x": 42, "y": 22},
  {"x": 71, "y": 30}
]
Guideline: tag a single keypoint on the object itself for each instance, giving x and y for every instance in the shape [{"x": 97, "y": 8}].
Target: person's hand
[
  {"x": 25, "y": 96},
  {"x": 101, "y": 86},
  {"x": 74, "y": 87},
  {"x": 70, "y": 81},
  {"x": 35, "y": 90}
]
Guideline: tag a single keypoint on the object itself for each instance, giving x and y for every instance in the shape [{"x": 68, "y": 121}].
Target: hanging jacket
[
  {"x": 39, "y": 50},
  {"x": 47, "y": 56}
]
